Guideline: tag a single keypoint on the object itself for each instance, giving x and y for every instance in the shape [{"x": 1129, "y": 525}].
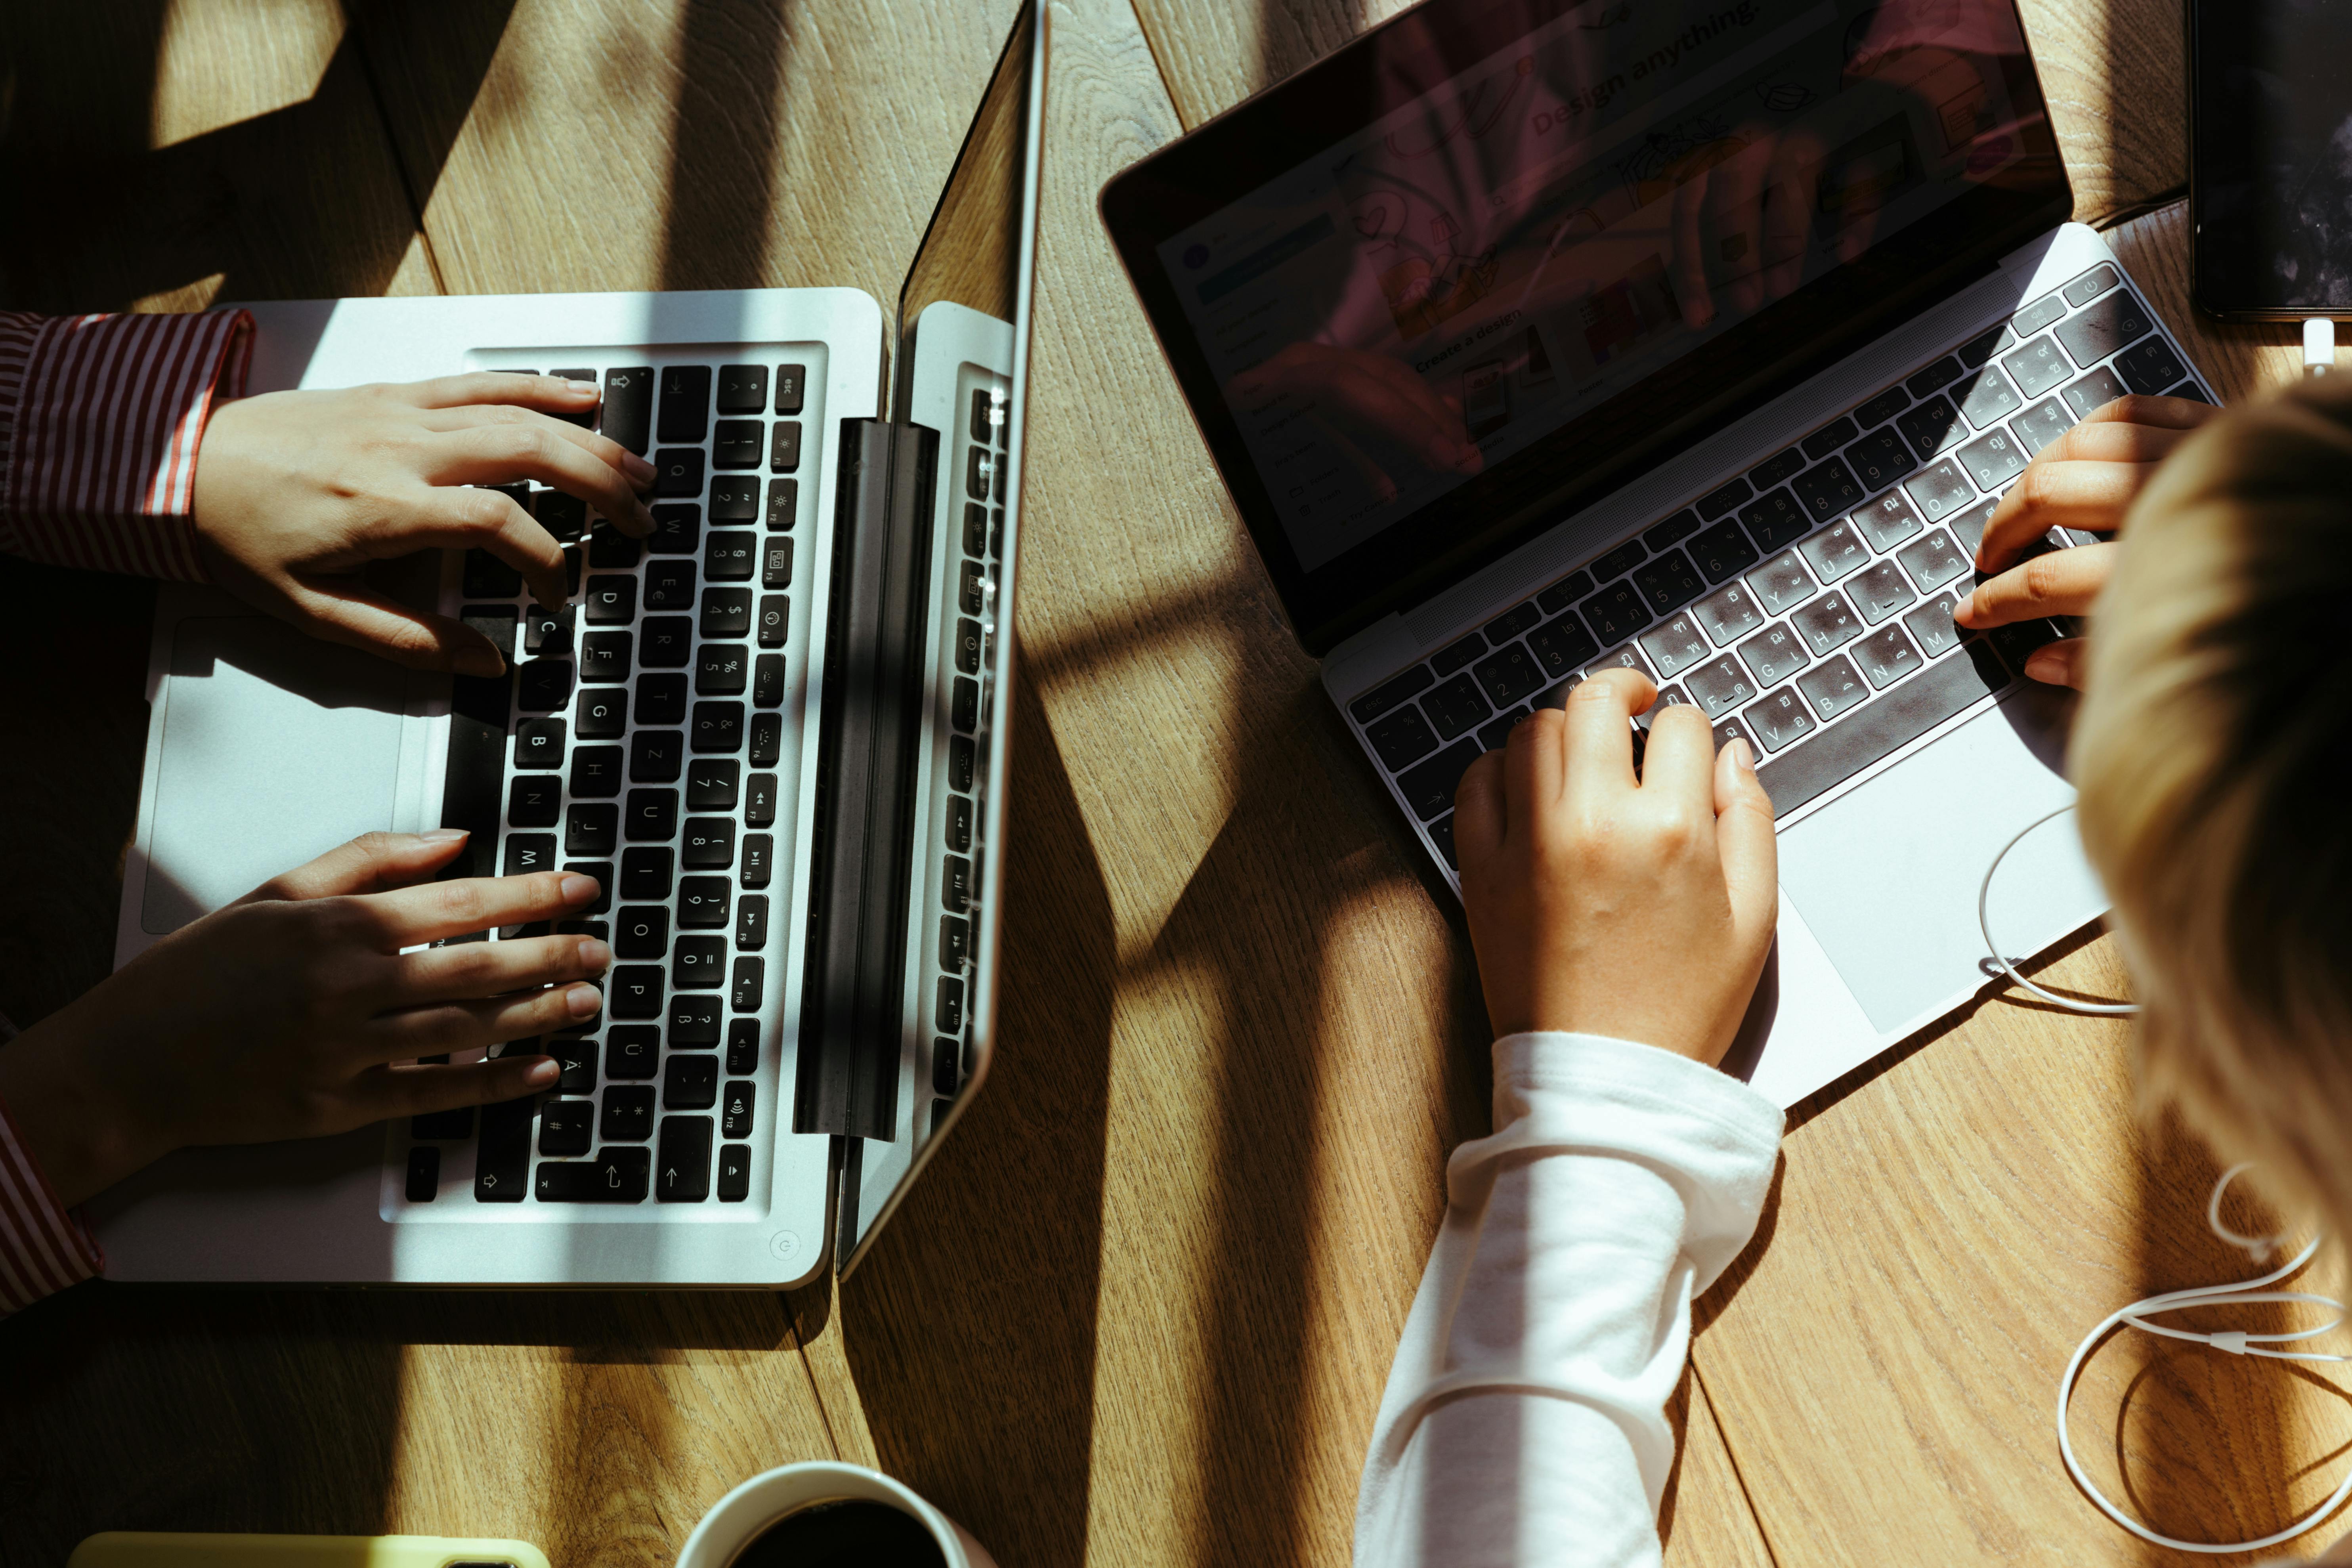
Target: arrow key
[{"x": 682, "y": 1171}]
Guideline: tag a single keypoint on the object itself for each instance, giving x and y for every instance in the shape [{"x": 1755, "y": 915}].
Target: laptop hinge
[{"x": 853, "y": 999}]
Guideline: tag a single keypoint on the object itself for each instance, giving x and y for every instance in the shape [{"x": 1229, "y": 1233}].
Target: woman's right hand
[
  {"x": 283, "y": 1015},
  {"x": 2086, "y": 479}
]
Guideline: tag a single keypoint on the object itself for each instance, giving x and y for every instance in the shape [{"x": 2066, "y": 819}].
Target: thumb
[
  {"x": 1751, "y": 856},
  {"x": 372, "y": 863}
]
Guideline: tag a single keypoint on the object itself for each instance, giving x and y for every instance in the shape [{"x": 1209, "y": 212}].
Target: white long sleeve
[{"x": 1524, "y": 1418}]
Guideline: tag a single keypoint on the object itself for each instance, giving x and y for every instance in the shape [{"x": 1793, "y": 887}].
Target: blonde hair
[{"x": 2213, "y": 752}]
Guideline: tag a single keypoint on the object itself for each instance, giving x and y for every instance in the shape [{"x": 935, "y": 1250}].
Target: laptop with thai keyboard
[
  {"x": 1747, "y": 355},
  {"x": 773, "y": 732}
]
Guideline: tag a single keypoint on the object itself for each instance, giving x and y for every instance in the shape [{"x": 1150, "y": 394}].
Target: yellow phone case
[{"x": 138, "y": 1549}]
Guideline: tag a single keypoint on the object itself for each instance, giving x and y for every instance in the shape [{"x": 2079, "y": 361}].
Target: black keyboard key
[
  {"x": 1781, "y": 583},
  {"x": 669, "y": 640},
  {"x": 1564, "y": 592},
  {"x": 1615, "y": 613},
  {"x": 1987, "y": 397},
  {"x": 2017, "y": 640},
  {"x": 1779, "y": 720},
  {"x": 699, "y": 963},
  {"x": 1834, "y": 551},
  {"x": 1728, "y": 614},
  {"x": 690, "y": 1081},
  {"x": 2096, "y": 389},
  {"x": 1880, "y": 459},
  {"x": 712, "y": 785},
  {"x": 1932, "y": 627},
  {"x": 734, "y": 499},
  {"x": 656, "y": 756},
  {"x": 1829, "y": 438},
  {"x": 633, "y": 990},
  {"x": 775, "y": 566},
  {"x": 669, "y": 585},
  {"x": 641, "y": 931},
  {"x": 1882, "y": 407},
  {"x": 1717, "y": 502},
  {"x": 628, "y": 407},
  {"x": 2044, "y": 313},
  {"x": 529, "y": 852},
  {"x": 596, "y": 772},
  {"x": 445, "y": 1126},
  {"x": 2191, "y": 391},
  {"x": 2114, "y": 322},
  {"x": 1933, "y": 560},
  {"x": 651, "y": 817},
  {"x": 575, "y": 1060},
  {"x": 565, "y": 517},
  {"x": 734, "y": 1173},
  {"x": 1773, "y": 654},
  {"x": 1455, "y": 707},
  {"x": 1940, "y": 491},
  {"x": 1776, "y": 520},
  {"x": 1493, "y": 737},
  {"x": 776, "y": 620},
  {"x": 726, "y": 612},
  {"x": 682, "y": 1164},
  {"x": 591, "y": 831},
  {"x": 1675, "y": 644},
  {"x": 743, "y": 1045},
  {"x": 1720, "y": 687},
  {"x": 785, "y": 447},
  {"x": 677, "y": 531},
  {"x": 1676, "y": 529},
  {"x": 1428, "y": 789},
  {"x": 718, "y": 727},
  {"x": 1387, "y": 694},
  {"x": 1827, "y": 623},
  {"x": 614, "y": 1176},
  {"x": 2038, "y": 366},
  {"x": 955, "y": 883},
  {"x": 758, "y": 854},
  {"x": 742, "y": 389},
  {"x": 423, "y": 1183},
  {"x": 1441, "y": 833},
  {"x": 1993, "y": 460},
  {"x": 604, "y": 658},
  {"x": 678, "y": 472},
  {"x": 751, "y": 980},
  {"x": 543, "y": 686},
  {"x": 1669, "y": 582},
  {"x": 534, "y": 800},
  {"x": 685, "y": 407},
  {"x": 487, "y": 577},
  {"x": 708, "y": 844},
  {"x": 1940, "y": 375},
  {"x": 722, "y": 671},
  {"x": 567, "y": 1126},
  {"x": 1512, "y": 622},
  {"x": 732, "y": 557},
  {"x": 1722, "y": 552},
  {"x": 2150, "y": 367},
  {"x": 955, "y": 945},
  {"x": 1618, "y": 561},
  {"x": 737, "y": 1109},
  {"x": 502, "y": 1153},
  {"x": 790, "y": 383},
  {"x": 1932, "y": 427},
  {"x": 784, "y": 504},
  {"x": 963, "y": 706},
  {"x": 603, "y": 715},
  {"x": 694, "y": 1021},
  {"x": 1509, "y": 676},
  {"x": 1887, "y": 657},
  {"x": 760, "y": 801},
  {"x": 1977, "y": 350},
  {"x": 1777, "y": 468},
  {"x": 1455, "y": 656},
  {"x": 646, "y": 871},
  {"x": 1877, "y": 731},
  {"x": 1562, "y": 646},
  {"x": 752, "y": 923},
  {"x": 1833, "y": 687}
]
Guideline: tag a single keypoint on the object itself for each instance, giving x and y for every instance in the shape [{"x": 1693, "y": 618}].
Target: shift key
[
  {"x": 614, "y": 1176},
  {"x": 629, "y": 405}
]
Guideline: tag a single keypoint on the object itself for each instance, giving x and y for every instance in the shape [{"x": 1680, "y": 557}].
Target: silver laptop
[
  {"x": 1534, "y": 339},
  {"x": 776, "y": 732}
]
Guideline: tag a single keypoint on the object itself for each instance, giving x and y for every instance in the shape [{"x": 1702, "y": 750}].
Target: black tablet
[{"x": 1494, "y": 257}]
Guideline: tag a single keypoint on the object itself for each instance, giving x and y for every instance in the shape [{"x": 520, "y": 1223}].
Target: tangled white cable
[
  {"x": 1984, "y": 924},
  {"x": 2235, "y": 1342}
]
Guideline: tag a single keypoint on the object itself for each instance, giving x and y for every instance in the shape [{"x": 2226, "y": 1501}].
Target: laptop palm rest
[
  {"x": 1887, "y": 876},
  {"x": 276, "y": 748}
]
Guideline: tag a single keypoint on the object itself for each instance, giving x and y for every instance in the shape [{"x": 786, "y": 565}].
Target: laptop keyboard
[
  {"x": 1807, "y": 604},
  {"x": 647, "y": 736}
]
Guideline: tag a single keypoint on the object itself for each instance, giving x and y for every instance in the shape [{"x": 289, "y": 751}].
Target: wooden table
[{"x": 1141, "y": 1307}]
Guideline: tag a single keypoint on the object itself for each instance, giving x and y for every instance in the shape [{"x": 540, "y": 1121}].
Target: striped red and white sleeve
[
  {"x": 44, "y": 1246},
  {"x": 99, "y": 417}
]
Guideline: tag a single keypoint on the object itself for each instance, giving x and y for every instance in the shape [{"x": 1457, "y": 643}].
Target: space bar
[{"x": 1902, "y": 715}]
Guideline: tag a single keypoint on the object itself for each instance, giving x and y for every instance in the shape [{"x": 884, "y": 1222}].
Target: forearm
[
  {"x": 1524, "y": 1420},
  {"x": 82, "y": 1135}
]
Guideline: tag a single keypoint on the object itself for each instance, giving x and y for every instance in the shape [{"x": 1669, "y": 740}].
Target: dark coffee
[{"x": 849, "y": 1534}]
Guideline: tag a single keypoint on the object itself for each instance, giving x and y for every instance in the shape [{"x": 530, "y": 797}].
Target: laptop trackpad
[
  {"x": 1888, "y": 877},
  {"x": 276, "y": 747}
]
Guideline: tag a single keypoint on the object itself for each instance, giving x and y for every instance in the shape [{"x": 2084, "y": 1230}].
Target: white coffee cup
[{"x": 744, "y": 1514}]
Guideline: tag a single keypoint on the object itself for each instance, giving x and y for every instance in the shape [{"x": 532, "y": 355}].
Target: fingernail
[
  {"x": 542, "y": 1073},
  {"x": 1741, "y": 754},
  {"x": 578, "y": 889},
  {"x": 2042, "y": 665},
  {"x": 444, "y": 835},
  {"x": 595, "y": 955},
  {"x": 578, "y": 388},
  {"x": 480, "y": 661},
  {"x": 582, "y": 1000},
  {"x": 640, "y": 472}
]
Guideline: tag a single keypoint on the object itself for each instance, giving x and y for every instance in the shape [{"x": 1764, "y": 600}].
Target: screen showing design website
[{"x": 1516, "y": 247}]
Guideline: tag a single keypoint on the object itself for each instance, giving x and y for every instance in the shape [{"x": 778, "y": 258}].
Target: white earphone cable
[{"x": 1984, "y": 924}]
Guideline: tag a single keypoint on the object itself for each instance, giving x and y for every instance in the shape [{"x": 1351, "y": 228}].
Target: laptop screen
[{"x": 1494, "y": 259}]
